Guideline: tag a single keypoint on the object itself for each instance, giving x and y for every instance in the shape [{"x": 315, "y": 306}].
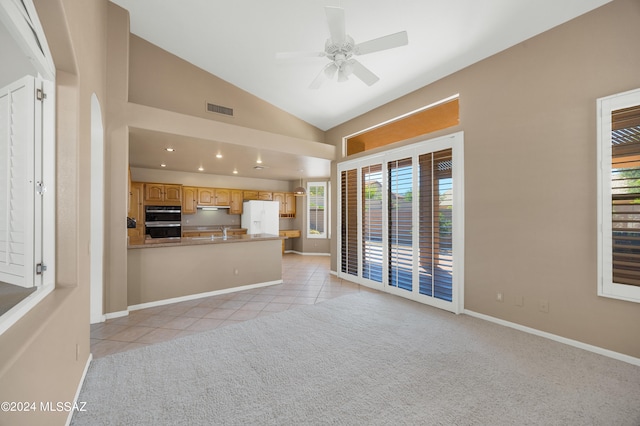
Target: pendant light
[{"x": 299, "y": 191}]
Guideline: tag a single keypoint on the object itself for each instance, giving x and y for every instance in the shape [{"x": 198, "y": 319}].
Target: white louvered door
[{"x": 17, "y": 177}]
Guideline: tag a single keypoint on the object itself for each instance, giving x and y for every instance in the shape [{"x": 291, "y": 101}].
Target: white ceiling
[{"x": 237, "y": 40}]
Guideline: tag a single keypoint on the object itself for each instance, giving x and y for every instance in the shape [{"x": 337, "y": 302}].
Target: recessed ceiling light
[
  {"x": 235, "y": 172},
  {"x": 169, "y": 149},
  {"x": 163, "y": 165},
  {"x": 259, "y": 161},
  {"x": 218, "y": 155},
  {"x": 200, "y": 168}
]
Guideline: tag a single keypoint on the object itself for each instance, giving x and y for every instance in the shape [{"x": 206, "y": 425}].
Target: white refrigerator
[{"x": 261, "y": 217}]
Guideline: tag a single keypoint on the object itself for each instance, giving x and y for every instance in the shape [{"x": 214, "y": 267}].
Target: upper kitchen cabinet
[
  {"x": 163, "y": 194},
  {"x": 213, "y": 197},
  {"x": 189, "y": 199},
  {"x": 258, "y": 195},
  {"x": 206, "y": 196},
  {"x": 223, "y": 197},
  {"x": 287, "y": 203},
  {"x": 235, "y": 204},
  {"x": 290, "y": 204}
]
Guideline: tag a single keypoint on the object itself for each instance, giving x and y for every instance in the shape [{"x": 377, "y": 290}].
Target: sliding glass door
[{"x": 401, "y": 221}]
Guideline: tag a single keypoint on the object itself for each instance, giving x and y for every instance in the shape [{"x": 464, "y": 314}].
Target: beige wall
[
  {"x": 43, "y": 355},
  {"x": 162, "y": 80},
  {"x": 529, "y": 121}
]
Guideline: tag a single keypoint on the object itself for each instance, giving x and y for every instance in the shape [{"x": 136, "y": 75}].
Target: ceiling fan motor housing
[{"x": 339, "y": 52}]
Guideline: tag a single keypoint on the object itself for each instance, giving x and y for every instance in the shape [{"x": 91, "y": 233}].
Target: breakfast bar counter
[
  {"x": 190, "y": 241},
  {"x": 168, "y": 271}
]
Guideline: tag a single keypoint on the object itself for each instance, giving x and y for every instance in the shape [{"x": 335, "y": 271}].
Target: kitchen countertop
[
  {"x": 209, "y": 228},
  {"x": 191, "y": 241}
]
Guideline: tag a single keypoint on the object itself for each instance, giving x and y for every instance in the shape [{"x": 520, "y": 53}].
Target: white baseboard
[
  {"x": 201, "y": 295},
  {"x": 118, "y": 314},
  {"x": 575, "y": 343},
  {"x": 307, "y": 254},
  {"x": 75, "y": 398}
]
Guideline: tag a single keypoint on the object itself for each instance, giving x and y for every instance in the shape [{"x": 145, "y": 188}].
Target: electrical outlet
[
  {"x": 543, "y": 305},
  {"x": 499, "y": 297}
]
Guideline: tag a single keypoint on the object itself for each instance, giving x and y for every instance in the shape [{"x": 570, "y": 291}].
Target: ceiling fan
[{"x": 340, "y": 50}]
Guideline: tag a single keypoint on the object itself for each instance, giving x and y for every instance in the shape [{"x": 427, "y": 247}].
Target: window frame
[
  {"x": 324, "y": 234},
  {"x": 606, "y": 286},
  {"x": 25, "y": 27},
  {"x": 350, "y": 244}
]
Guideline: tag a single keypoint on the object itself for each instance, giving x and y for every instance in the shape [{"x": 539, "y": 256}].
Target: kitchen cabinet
[
  {"x": 235, "y": 202},
  {"x": 213, "y": 197},
  {"x": 206, "y": 196},
  {"x": 136, "y": 211},
  {"x": 287, "y": 203},
  {"x": 290, "y": 204},
  {"x": 258, "y": 195},
  {"x": 189, "y": 199},
  {"x": 162, "y": 194},
  {"x": 222, "y": 197}
]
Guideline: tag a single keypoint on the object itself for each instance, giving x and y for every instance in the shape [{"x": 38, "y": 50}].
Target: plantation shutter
[
  {"x": 625, "y": 195},
  {"x": 435, "y": 222},
  {"x": 372, "y": 225},
  {"x": 400, "y": 208},
  {"x": 17, "y": 143},
  {"x": 349, "y": 216}
]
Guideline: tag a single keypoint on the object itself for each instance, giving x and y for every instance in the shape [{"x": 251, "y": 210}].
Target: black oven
[{"x": 163, "y": 221}]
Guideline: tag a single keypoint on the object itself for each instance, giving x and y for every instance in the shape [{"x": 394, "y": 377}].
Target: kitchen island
[{"x": 168, "y": 271}]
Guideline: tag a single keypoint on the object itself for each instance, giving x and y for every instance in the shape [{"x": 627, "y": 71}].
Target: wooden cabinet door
[
  {"x": 206, "y": 196},
  {"x": 222, "y": 197},
  {"x": 250, "y": 195},
  {"x": 136, "y": 211},
  {"x": 290, "y": 204},
  {"x": 279, "y": 197},
  {"x": 189, "y": 199},
  {"x": 235, "y": 204},
  {"x": 173, "y": 193},
  {"x": 153, "y": 192},
  {"x": 267, "y": 196}
]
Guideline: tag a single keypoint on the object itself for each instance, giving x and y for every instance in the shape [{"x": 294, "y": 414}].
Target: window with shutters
[
  {"x": 401, "y": 221},
  {"x": 316, "y": 210},
  {"x": 349, "y": 222},
  {"x": 27, "y": 164},
  {"x": 372, "y": 228},
  {"x": 619, "y": 196}
]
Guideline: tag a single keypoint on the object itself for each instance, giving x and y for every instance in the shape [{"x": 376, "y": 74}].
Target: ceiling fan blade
[
  {"x": 327, "y": 71},
  {"x": 335, "y": 19},
  {"x": 295, "y": 55},
  {"x": 363, "y": 73},
  {"x": 382, "y": 43}
]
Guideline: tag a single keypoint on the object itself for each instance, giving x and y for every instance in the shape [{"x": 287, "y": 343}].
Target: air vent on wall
[{"x": 218, "y": 109}]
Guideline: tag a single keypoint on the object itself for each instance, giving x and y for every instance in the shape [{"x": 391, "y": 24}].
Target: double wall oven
[{"x": 163, "y": 221}]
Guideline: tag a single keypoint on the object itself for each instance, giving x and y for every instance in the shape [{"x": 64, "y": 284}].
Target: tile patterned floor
[{"x": 306, "y": 281}]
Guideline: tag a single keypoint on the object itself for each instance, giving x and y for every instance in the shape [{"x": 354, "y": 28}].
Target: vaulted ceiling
[{"x": 238, "y": 41}]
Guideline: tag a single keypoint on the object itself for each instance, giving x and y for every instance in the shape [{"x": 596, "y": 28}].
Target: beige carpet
[{"x": 362, "y": 359}]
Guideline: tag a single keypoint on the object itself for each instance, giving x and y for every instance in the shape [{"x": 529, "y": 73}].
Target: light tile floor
[{"x": 306, "y": 281}]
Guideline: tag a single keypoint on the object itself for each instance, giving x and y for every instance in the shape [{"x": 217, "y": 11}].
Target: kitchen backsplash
[
  {"x": 221, "y": 218},
  {"x": 211, "y": 218}
]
